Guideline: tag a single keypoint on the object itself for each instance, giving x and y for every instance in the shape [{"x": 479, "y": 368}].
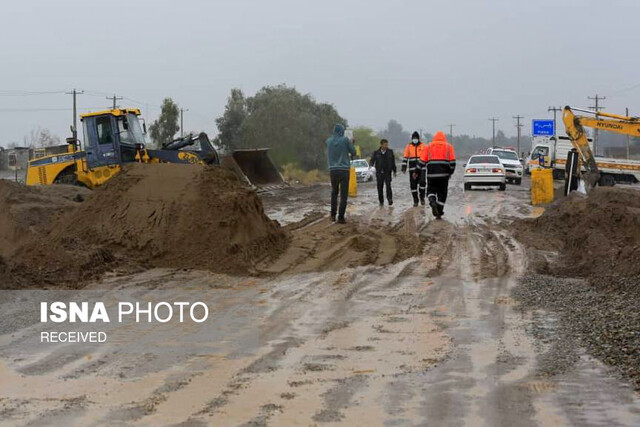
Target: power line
[
  {"x": 22, "y": 110},
  {"x": 627, "y": 89},
  {"x": 29, "y": 93}
]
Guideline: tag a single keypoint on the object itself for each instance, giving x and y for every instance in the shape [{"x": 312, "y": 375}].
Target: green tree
[
  {"x": 229, "y": 125},
  {"x": 293, "y": 125},
  {"x": 395, "y": 134},
  {"x": 501, "y": 138},
  {"x": 164, "y": 129},
  {"x": 367, "y": 140}
]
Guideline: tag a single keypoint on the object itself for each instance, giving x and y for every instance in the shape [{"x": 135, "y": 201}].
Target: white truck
[{"x": 555, "y": 156}]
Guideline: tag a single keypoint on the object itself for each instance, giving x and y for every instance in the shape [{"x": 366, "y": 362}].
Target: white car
[
  {"x": 512, "y": 164},
  {"x": 484, "y": 170},
  {"x": 363, "y": 171}
]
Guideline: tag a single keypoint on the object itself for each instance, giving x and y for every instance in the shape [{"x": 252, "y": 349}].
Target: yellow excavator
[
  {"x": 602, "y": 171},
  {"x": 113, "y": 138}
]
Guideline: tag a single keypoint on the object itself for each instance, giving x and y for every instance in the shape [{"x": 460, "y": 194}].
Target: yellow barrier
[
  {"x": 353, "y": 182},
  {"x": 541, "y": 186}
]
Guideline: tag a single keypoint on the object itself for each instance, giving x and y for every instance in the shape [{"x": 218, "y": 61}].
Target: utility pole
[
  {"x": 182, "y": 110},
  {"x": 555, "y": 127},
  {"x": 628, "y": 137},
  {"x": 74, "y": 127},
  {"x": 114, "y": 99},
  {"x": 494, "y": 120},
  {"x": 451, "y": 132},
  {"x": 518, "y": 125},
  {"x": 596, "y": 108}
]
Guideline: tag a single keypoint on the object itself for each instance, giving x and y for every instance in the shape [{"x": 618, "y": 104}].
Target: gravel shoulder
[{"x": 600, "y": 315}]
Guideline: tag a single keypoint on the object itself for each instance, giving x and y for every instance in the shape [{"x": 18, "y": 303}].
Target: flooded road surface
[{"x": 428, "y": 339}]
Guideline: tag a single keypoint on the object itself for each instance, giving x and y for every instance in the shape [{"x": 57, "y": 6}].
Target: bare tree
[{"x": 39, "y": 137}]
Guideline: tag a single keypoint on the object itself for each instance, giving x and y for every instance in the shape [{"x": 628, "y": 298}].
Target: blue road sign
[{"x": 542, "y": 127}]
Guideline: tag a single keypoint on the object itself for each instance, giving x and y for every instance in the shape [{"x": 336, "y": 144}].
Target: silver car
[
  {"x": 484, "y": 170},
  {"x": 512, "y": 165},
  {"x": 363, "y": 171}
]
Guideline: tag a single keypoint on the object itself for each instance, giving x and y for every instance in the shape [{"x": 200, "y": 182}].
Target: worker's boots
[{"x": 434, "y": 207}]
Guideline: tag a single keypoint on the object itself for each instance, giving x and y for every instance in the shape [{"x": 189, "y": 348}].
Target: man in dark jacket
[
  {"x": 385, "y": 163},
  {"x": 339, "y": 152}
]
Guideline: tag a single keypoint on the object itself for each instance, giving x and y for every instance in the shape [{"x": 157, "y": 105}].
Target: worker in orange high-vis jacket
[
  {"x": 439, "y": 160},
  {"x": 417, "y": 181}
]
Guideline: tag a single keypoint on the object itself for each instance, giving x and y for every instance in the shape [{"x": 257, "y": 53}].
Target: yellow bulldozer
[{"x": 113, "y": 138}]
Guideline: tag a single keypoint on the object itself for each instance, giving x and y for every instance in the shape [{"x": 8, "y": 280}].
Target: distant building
[{"x": 18, "y": 158}]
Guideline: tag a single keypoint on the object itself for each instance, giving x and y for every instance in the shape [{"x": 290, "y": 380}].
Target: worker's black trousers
[
  {"x": 384, "y": 180},
  {"x": 437, "y": 188},
  {"x": 339, "y": 185},
  {"x": 418, "y": 185}
]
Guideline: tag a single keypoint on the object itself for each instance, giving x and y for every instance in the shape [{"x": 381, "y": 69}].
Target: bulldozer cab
[{"x": 111, "y": 137}]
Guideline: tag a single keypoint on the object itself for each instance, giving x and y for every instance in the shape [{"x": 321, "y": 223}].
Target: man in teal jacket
[{"x": 339, "y": 152}]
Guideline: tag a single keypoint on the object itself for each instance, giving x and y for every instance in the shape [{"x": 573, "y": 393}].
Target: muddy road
[{"x": 353, "y": 327}]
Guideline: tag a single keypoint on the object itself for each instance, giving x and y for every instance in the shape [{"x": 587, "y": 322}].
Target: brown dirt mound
[
  {"x": 594, "y": 235},
  {"x": 26, "y": 211},
  {"x": 160, "y": 215}
]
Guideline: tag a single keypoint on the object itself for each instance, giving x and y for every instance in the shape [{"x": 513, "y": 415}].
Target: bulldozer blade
[{"x": 256, "y": 168}]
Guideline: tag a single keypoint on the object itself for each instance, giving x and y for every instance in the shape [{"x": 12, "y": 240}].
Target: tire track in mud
[
  {"x": 338, "y": 350},
  {"x": 321, "y": 339},
  {"x": 333, "y": 341},
  {"x": 349, "y": 337}
]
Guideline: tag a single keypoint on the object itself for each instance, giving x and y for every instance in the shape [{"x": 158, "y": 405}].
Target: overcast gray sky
[{"x": 424, "y": 63}]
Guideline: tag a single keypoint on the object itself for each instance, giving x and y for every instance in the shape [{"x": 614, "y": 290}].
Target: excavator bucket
[
  {"x": 256, "y": 167},
  {"x": 580, "y": 142}
]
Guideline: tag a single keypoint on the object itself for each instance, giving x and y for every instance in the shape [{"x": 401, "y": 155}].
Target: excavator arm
[{"x": 574, "y": 126}]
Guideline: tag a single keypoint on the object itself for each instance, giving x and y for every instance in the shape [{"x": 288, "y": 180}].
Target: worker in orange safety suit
[
  {"x": 412, "y": 153},
  {"x": 439, "y": 160}
]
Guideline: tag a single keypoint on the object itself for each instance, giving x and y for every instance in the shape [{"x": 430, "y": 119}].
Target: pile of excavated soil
[
  {"x": 595, "y": 235},
  {"x": 154, "y": 215},
  {"x": 27, "y": 211}
]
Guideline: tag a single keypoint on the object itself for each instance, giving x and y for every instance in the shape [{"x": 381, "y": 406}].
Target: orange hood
[{"x": 439, "y": 137}]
